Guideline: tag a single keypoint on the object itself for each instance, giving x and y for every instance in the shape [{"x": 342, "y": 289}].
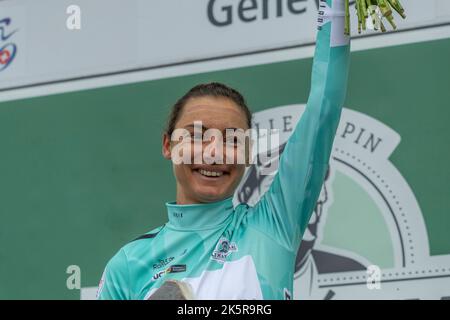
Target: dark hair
[{"x": 212, "y": 89}]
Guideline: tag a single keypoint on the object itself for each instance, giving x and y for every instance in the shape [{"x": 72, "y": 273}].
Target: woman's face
[{"x": 200, "y": 182}]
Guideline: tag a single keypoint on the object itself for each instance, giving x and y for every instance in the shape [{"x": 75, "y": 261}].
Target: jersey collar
[{"x": 199, "y": 216}]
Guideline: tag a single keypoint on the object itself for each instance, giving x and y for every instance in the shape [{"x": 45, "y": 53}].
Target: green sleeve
[
  {"x": 115, "y": 283},
  {"x": 285, "y": 209}
]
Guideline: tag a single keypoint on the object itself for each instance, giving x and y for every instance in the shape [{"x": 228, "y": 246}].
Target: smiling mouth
[{"x": 211, "y": 173}]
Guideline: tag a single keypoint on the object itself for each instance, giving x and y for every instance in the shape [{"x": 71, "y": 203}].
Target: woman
[{"x": 226, "y": 252}]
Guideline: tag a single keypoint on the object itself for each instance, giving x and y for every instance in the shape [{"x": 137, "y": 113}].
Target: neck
[{"x": 183, "y": 198}]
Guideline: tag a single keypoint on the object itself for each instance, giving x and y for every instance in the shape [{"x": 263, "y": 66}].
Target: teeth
[{"x": 210, "y": 173}]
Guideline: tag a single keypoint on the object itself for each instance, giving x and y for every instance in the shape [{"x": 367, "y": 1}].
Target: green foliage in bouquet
[{"x": 376, "y": 10}]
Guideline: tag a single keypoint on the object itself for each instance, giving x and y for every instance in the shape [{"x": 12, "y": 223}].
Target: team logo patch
[{"x": 223, "y": 249}]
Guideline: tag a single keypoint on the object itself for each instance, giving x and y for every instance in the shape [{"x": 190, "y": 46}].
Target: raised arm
[{"x": 285, "y": 209}]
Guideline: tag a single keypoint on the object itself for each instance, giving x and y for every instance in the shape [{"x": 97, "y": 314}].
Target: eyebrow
[{"x": 206, "y": 128}]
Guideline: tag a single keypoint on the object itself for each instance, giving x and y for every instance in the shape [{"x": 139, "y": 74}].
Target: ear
[{"x": 166, "y": 149}]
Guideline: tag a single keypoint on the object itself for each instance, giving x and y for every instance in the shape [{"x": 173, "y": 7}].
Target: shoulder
[
  {"x": 149, "y": 235},
  {"x": 115, "y": 282},
  {"x": 142, "y": 241},
  {"x": 135, "y": 248}
]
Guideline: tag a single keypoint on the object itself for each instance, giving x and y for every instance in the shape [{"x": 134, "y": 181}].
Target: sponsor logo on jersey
[
  {"x": 223, "y": 249},
  {"x": 176, "y": 268},
  {"x": 162, "y": 263},
  {"x": 178, "y": 215}
]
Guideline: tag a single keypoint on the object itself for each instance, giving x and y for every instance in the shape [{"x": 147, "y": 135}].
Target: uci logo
[
  {"x": 8, "y": 49},
  {"x": 159, "y": 275},
  {"x": 177, "y": 268}
]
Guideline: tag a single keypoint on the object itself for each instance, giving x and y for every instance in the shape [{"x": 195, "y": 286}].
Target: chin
[{"x": 211, "y": 196}]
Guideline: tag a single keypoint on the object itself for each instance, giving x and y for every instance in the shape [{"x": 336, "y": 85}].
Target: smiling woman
[
  {"x": 224, "y": 251},
  {"x": 199, "y": 179}
]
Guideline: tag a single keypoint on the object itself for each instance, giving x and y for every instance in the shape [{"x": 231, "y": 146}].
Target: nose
[{"x": 213, "y": 152}]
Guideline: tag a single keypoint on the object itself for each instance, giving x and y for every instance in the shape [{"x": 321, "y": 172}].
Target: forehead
[{"x": 213, "y": 112}]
